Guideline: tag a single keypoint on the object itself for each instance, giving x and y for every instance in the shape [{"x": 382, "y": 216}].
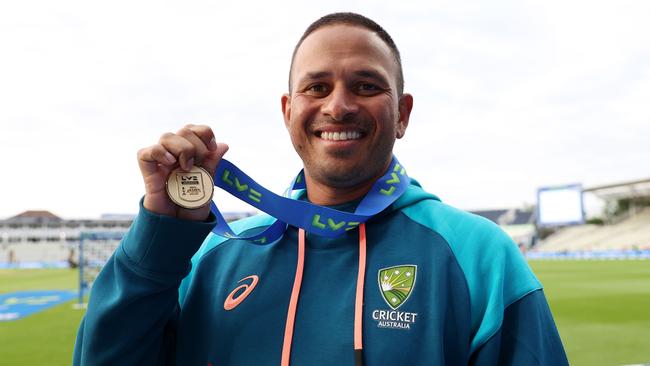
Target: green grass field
[
  {"x": 602, "y": 309},
  {"x": 44, "y": 338}
]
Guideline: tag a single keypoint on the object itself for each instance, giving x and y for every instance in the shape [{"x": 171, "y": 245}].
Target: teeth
[{"x": 340, "y": 136}]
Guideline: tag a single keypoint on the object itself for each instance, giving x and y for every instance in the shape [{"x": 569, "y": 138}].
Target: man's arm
[
  {"x": 133, "y": 306},
  {"x": 527, "y": 336}
]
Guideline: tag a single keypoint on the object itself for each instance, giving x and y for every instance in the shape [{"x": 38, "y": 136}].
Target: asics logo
[{"x": 237, "y": 295}]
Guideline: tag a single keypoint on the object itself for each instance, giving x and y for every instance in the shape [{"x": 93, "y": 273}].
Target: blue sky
[{"x": 509, "y": 95}]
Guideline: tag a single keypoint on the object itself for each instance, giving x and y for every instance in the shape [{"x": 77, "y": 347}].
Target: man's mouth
[{"x": 339, "y": 135}]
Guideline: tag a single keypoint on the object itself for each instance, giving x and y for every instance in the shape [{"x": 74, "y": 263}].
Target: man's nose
[{"x": 340, "y": 104}]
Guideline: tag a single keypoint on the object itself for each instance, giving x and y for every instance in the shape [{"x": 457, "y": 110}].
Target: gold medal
[{"x": 191, "y": 189}]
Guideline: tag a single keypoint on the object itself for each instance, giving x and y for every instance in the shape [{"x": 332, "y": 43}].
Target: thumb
[{"x": 211, "y": 161}]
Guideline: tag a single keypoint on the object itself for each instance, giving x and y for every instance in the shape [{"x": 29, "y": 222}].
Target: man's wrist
[{"x": 164, "y": 244}]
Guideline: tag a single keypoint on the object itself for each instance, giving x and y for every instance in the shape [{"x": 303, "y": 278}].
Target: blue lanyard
[{"x": 312, "y": 218}]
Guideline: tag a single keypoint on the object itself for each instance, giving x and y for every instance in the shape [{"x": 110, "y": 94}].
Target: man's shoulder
[
  {"x": 476, "y": 242},
  {"x": 453, "y": 224},
  {"x": 497, "y": 275}
]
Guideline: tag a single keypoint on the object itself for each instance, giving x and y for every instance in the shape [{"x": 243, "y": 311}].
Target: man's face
[{"x": 344, "y": 114}]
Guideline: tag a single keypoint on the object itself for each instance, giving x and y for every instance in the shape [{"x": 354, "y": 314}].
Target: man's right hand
[{"x": 191, "y": 145}]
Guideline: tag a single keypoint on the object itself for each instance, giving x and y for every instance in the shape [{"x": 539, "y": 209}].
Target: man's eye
[
  {"x": 368, "y": 88},
  {"x": 317, "y": 88}
]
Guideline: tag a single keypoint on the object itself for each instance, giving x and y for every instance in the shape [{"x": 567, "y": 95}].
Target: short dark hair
[{"x": 354, "y": 20}]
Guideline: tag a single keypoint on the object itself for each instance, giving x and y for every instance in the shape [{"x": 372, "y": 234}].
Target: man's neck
[{"x": 322, "y": 194}]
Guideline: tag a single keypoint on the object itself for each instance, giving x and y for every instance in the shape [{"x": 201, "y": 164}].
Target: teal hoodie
[{"x": 442, "y": 287}]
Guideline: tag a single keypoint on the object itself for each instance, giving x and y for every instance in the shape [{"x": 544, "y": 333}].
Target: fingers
[
  {"x": 204, "y": 133},
  {"x": 190, "y": 145},
  {"x": 150, "y": 157},
  {"x": 212, "y": 160}
]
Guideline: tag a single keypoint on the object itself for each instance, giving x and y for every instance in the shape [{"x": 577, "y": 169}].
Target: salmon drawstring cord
[{"x": 358, "y": 302}]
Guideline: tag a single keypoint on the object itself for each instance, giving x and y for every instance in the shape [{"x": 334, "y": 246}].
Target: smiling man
[
  {"x": 345, "y": 109},
  {"x": 413, "y": 282}
]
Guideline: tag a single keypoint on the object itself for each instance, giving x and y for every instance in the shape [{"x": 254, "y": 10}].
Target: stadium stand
[
  {"x": 35, "y": 238},
  {"x": 42, "y": 252},
  {"x": 625, "y": 228},
  {"x": 42, "y": 239},
  {"x": 632, "y": 233}
]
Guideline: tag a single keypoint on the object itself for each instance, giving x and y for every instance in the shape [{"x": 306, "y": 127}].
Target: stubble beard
[{"x": 339, "y": 175}]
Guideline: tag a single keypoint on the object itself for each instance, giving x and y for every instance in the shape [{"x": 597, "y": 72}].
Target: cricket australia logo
[{"x": 396, "y": 284}]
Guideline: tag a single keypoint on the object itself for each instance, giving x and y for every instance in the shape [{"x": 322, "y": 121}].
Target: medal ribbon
[{"x": 312, "y": 218}]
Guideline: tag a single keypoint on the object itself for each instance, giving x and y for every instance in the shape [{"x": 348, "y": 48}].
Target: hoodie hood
[{"x": 414, "y": 194}]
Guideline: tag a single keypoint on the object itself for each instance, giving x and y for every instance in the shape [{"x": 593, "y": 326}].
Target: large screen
[{"x": 561, "y": 205}]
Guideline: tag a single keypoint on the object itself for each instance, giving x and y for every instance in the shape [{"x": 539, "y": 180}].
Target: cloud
[{"x": 509, "y": 95}]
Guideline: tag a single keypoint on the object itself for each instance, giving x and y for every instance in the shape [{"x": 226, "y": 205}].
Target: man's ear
[
  {"x": 286, "y": 108},
  {"x": 404, "y": 107}
]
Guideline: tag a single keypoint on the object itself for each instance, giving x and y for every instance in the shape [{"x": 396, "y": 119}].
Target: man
[{"x": 420, "y": 283}]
